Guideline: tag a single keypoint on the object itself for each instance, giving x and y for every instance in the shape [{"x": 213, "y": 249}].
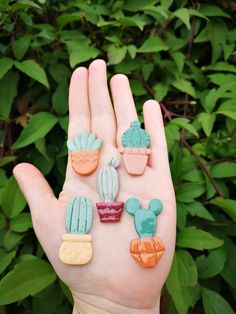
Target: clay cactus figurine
[
  {"x": 84, "y": 152},
  {"x": 135, "y": 141},
  {"x": 147, "y": 250},
  {"x": 76, "y": 248},
  {"x": 108, "y": 186}
]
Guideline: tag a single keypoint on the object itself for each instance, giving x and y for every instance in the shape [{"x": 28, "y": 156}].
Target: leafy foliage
[{"x": 182, "y": 53}]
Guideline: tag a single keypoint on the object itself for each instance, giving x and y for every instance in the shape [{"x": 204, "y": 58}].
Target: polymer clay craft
[
  {"x": 135, "y": 141},
  {"x": 109, "y": 210},
  {"x": 76, "y": 248},
  {"x": 147, "y": 249},
  {"x": 84, "y": 152}
]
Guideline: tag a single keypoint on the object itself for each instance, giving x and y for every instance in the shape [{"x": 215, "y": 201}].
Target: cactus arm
[
  {"x": 132, "y": 205},
  {"x": 156, "y": 206},
  {"x": 96, "y": 144},
  {"x": 115, "y": 183},
  {"x": 84, "y": 139},
  {"x": 77, "y": 142},
  {"x": 71, "y": 146},
  {"x": 91, "y": 140},
  {"x": 89, "y": 215}
]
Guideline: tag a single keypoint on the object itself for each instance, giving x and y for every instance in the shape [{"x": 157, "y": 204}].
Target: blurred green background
[{"x": 182, "y": 53}]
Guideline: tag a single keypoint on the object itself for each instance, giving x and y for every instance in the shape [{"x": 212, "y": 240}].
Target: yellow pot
[{"x": 76, "y": 249}]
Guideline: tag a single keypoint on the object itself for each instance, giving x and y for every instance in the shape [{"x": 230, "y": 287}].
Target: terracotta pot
[
  {"x": 135, "y": 159},
  {"x": 147, "y": 251},
  {"x": 84, "y": 162},
  {"x": 109, "y": 212},
  {"x": 76, "y": 249}
]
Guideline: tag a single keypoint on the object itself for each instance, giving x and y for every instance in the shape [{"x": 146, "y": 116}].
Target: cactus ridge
[
  {"x": 79, "y": 216},
  {"x": 135, "y": 136},
  {"x": 84, "y": 141},
  {"x": 145, "y": 221},
  {"x": 108, "y": 181}
]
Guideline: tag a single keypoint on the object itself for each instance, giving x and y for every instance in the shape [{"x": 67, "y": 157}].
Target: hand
[{"x": 113, "y": 279}]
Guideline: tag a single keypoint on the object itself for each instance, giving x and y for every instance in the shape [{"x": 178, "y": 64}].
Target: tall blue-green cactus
[
  {"x": 135, "y": 136},
  {"x": 144, "y": 219},
  {"x": 108, "y": 181},
  {"x": 79, "y": 216}
]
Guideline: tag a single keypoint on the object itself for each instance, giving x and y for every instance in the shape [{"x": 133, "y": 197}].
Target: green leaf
[
  {"x": 60, "y": 98},
  {"x": 153, "y": 44},
  {"x": 224, "y": 170},
  {"x": 20, "y": 46},
  {"x": 40, "y": 144},
  {"x": 228, "y": 206},
  {"x": 214, "y": 303},
  {"x": 184, "y": 16},
  {"x": 6, "y": 160},
  {"x": 39, "y": 125},
  {"x": 182, "y": 276},
  {"x": 5, "y": 65},
  {"x": 116, "y": 54},
  {"x": 212, "y": 10},
  {"x": 133, "y": 6},
  {"x": 32, "y": 69},
  {"x": 184, "y": 86},
  {"x": 27, "y": 278},
  {"x": 179, "y": 59},
  {"x": 6, "y": 259},
  {"x": 24, "y": 4},
  {"x": 13, "y": 201},
  {"x": 59, "y": 72},
  {"x": 8, "y": 92},
  {"x": 228, "y": 109},
  {"x": 207, "y": 121},
  {"x": 161, "y": 91},
  {"x": 211, "y": 265},
  {"x": 67, "y": 18},
  {"x": 191, "y": 237},
  {"x": 21, "y": 223},
  {"x": 11, "y": 239},
  {"x": 184, "y": 123},
  {"x": 187, "y": 192},
  {"x": 81, "y": 52}
]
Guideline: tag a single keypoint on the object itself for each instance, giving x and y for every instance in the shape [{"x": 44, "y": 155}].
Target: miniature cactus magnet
[
  {"x": 147, "y": 250},
  {"x": 76, "y": 248},
  {"x": 108, "y": 186},
  {"x": 84, "y": 152},
  {"x": 135, "y": 141}
]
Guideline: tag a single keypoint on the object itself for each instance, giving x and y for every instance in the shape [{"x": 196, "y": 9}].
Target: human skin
[{"x": 113, "y": 282}]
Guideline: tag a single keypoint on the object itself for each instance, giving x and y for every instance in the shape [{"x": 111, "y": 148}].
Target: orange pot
[
  {"x": 147, "y": 251},
  {"x": 135, "y": 159},
  {"x": 84, "y": 162}
]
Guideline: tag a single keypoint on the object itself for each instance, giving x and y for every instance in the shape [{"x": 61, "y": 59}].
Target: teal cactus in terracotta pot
[
  {"x": 76, "y": 248},
  {"x": 135, "y": 141},
  {"x": 148, "y": 248}
]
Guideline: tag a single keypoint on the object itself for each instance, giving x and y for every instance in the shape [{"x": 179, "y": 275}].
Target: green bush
[{"x": 182, "y": 53}]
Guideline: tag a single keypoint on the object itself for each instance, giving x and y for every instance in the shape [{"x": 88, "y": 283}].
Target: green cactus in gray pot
[{"x": 76, "y": 248}]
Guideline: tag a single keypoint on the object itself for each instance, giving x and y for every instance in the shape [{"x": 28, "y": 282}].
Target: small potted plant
[
  {"x": 135, "y": 141},
  {"x": 84, "y": 152},
  {"x": 76, "y": 248},
  {"x": 108, "y": 186},
  {"x": 147, "y": 249}
]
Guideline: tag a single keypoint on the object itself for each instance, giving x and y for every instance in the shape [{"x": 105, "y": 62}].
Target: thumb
[{"x": 35, "y": 188}]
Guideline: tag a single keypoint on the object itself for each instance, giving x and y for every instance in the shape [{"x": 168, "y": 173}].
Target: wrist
[{"x": 90, "y": 304}]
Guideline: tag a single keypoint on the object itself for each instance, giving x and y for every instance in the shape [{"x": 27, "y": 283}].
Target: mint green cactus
[
  {"x": 144, "y": 219},
  {"x": 135, "y": 136},
  {"x": 79, "y": 216},
  {"x": 85, "y": 141},
  {"x": 108, "y": 181}
]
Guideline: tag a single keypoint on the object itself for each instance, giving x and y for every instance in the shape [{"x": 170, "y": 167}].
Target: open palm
[{"x": 112, "y": 274}]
